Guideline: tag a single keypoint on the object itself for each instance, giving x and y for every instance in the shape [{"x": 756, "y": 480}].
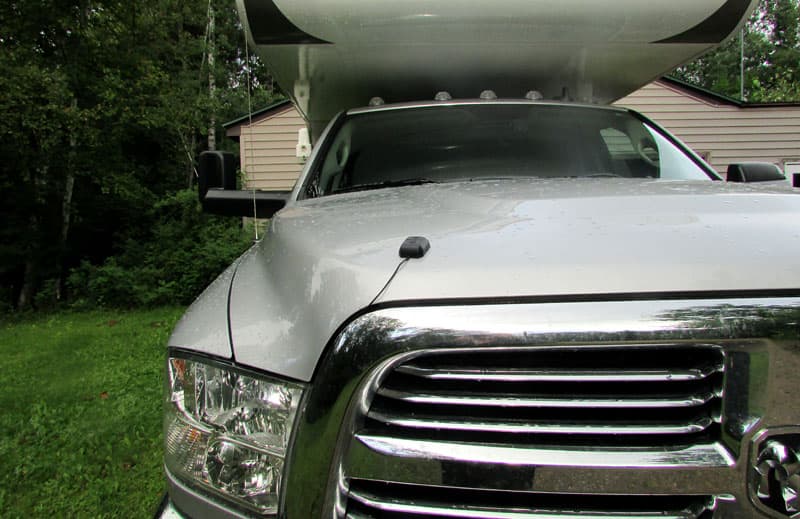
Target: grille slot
[
  {"x": 371, "y": 499},
  {"x": 643, "y": 395}
]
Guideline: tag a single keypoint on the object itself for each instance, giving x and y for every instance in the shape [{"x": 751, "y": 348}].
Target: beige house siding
[
  {"x": 267, "y": 149},
  {"x": 722, "y": 133}
]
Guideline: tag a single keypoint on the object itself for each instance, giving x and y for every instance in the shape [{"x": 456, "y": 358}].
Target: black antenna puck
[{"x": 414, "y": 247}]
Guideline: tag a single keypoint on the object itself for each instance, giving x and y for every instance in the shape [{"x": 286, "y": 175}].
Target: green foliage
[
  {"x": 104, "y": 106},
  {"x": 171, "y": 264},
  {"x": 771, "y": 57},
  {"x": 33, "y": 109},
  {"x": 80, "y": 431}
]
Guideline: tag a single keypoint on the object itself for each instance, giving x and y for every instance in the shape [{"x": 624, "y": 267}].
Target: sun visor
[{"x": 330, "y": 55}]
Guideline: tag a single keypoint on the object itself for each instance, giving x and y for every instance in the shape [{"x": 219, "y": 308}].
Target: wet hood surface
[{"x": 325, "y": 259}]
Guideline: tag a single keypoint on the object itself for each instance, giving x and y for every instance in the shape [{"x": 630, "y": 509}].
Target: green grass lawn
[{"x": 80, "y": 413}]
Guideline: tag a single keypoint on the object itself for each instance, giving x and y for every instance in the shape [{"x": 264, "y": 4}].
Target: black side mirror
[
  {"x": 754, "y": 172},
  {"x": 216, "y": 187},
  {"x": 215, "y": 169}
]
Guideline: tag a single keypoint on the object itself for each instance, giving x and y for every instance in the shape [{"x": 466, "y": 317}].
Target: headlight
[{"x": 227, "y": 430}]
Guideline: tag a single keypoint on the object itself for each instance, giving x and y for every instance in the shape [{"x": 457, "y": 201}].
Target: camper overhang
[{"x": 336, "y": 54}]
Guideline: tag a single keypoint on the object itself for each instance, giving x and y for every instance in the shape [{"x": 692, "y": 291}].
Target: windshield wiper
[
  {"x": 386, "y": 183},
  {"x": 601, "y": 175}
]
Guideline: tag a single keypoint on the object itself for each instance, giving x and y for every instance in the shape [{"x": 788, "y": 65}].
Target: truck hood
[{"x": 328, "y": 258}]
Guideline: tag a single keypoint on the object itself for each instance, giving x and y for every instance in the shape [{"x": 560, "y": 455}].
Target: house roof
[
  {"x": 257, "y": 115},
  {"x": 717, "y": 98}
]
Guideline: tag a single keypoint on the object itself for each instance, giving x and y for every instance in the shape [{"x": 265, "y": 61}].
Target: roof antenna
[
  {"x": 250, "y": 134},
  {"x": 414, "y": 247}
]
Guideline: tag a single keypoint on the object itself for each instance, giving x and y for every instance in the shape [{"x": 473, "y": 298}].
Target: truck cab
[{"x": 517, "y": 303}]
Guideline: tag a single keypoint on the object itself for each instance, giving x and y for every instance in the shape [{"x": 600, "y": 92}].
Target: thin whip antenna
[
  {"x": 249, "y": 150},
  {"x": 741, "y": 63},
  {"x": 205, "y": 40}
]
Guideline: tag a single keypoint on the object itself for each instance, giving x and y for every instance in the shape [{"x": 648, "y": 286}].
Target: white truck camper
[
  {"x": 331, "y": 55},
  {"x": 490, "y": 294}
]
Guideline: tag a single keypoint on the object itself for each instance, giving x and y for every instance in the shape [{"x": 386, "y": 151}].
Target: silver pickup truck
[{"x": 492, "y": 307}]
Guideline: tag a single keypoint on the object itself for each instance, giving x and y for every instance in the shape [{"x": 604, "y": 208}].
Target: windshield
[{"x": 489, "y": 141}]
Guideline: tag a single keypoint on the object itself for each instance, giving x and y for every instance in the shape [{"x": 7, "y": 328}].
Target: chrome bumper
[{"x": 183, "y": 502}]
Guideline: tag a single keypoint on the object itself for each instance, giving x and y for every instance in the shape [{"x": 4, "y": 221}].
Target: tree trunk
[
  {"x": 212, "y": 86},
  {"x": 66, "y": 212},
  {"x": 28, "y": 284},
  {"x": 66, "y": 208},
  {"x": 190, "y": 167},
  {"x": 30, "y": 280},
  {"x": 30, "y": 277}
]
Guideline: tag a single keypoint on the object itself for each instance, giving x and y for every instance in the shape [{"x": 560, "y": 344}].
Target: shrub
[{"x": 183, "y": 252}]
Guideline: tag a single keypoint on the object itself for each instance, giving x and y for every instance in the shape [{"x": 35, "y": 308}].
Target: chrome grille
[
  {"x": 741, "y": 352},
  {"x": 641, "y": 395},
  {"x": 371, "y": 499}
]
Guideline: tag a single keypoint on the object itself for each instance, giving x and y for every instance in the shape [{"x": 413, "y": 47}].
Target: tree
[
  {"x": 771, "y": 54},
  {"x": 104, "y": 104},
  {"x": 780, "y": 80},
  {"x": 38, "y": 114}
]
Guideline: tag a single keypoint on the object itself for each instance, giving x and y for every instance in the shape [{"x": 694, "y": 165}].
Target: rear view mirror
[
  {"x": 754, "y": 172},
  {"x": 216, "y": 187}
]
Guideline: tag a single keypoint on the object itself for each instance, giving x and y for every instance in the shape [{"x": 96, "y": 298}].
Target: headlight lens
[{"x": 227, "y": 430}]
